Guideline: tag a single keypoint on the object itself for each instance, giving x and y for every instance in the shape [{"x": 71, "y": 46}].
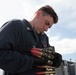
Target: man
[{"x": 19, "y": 37}]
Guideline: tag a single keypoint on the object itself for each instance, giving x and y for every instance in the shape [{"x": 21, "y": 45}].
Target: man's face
[{"x": 43, "y": 23}]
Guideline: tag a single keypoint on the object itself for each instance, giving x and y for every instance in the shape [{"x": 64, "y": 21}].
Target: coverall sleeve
[{"x": 10, "y": 60}]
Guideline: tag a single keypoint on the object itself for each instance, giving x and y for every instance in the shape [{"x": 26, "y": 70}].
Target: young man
[{"x": 19, "y": 37}]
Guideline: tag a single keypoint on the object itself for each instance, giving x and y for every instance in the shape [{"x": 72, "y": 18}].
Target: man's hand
[
  {"x": 43, "y": 52},
  {"x": 40, "y": 58},
  {"x": 57, "y": 60},
  {"x": 46, "y": 56},
  {"x": 41, "y": 62}
]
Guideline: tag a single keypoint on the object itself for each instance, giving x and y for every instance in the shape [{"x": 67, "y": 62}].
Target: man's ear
[{"x": 38, "y": 14}]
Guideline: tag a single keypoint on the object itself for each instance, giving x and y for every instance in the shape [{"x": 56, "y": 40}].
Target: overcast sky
[{"x": 62, "y": 35}]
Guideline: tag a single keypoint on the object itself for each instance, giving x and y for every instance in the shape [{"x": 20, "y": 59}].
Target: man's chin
[{"x": 40, "y": 32}]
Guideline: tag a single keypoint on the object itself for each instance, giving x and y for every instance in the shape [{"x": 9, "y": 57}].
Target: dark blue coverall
[{"x": 16, "y": 40}]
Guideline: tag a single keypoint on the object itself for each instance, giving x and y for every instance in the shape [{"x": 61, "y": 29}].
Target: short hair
[{"x": 50, "y": 11}]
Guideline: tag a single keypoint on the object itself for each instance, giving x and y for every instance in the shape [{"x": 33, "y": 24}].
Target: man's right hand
[
  {"x": 39, "y": 60},
  {"x": 57, "y": 60}
]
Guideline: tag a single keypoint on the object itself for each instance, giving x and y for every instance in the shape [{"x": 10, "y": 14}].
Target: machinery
[{"x": 67, "y": 68}]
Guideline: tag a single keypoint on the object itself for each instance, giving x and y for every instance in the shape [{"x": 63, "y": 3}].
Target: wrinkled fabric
[{"x": 16, "y": 40}]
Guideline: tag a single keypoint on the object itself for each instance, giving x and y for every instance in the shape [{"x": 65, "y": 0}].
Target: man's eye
[{"x": 47, "y": 23}]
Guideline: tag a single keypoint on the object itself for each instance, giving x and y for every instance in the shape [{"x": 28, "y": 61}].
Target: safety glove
[
  {"x": 41, "y": 62},
  {"x": 57, "y": 60},
  {"x": 46, "y": 58},
  {"x": 47, "y": 55},
  {"x": 42, "y": 56},
  {"x": 43, "y": 52}
]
